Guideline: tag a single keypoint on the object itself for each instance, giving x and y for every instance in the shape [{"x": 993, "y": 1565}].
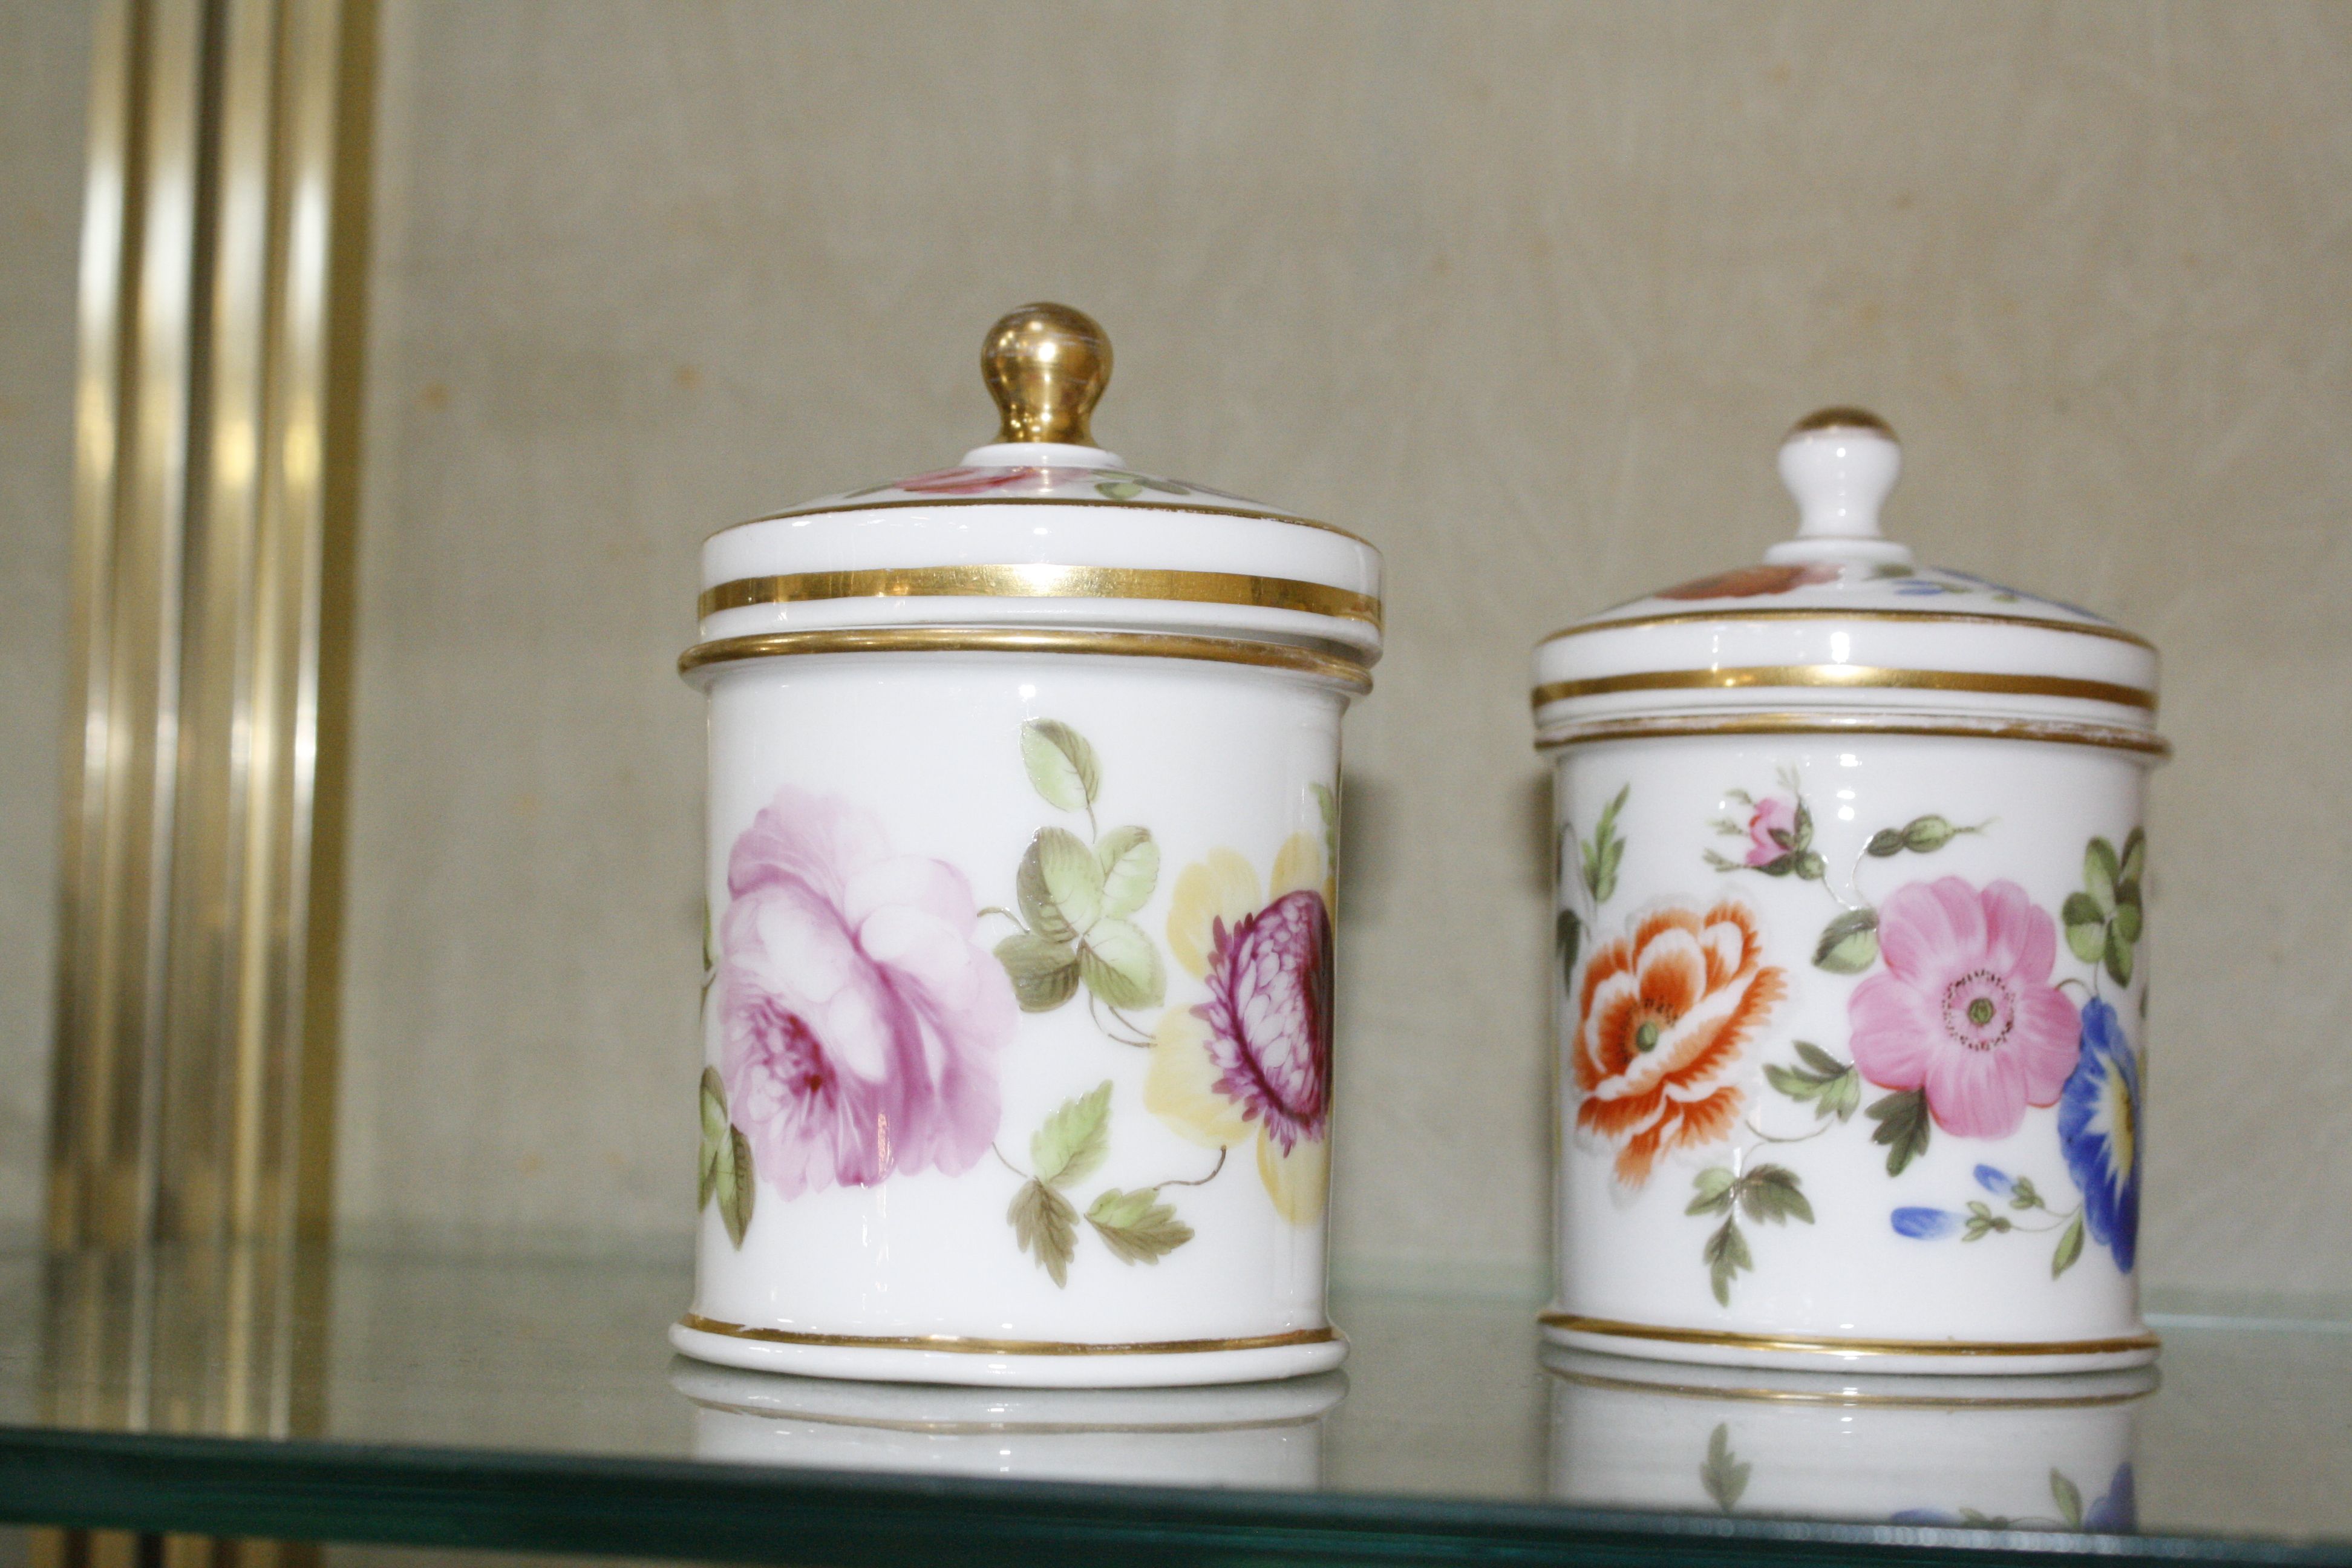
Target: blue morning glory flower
[
  {"x": 1996, "y": 1182},
  {"x": 2118, "y": 1511},
  {"x": 2098, "y": 1127},
  {"x": 1925, "y": 1225}
]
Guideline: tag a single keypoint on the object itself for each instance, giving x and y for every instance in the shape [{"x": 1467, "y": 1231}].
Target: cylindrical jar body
[
  {"x": 1850, "y": 1050},
  {"x": 1017, "y": 1021}
]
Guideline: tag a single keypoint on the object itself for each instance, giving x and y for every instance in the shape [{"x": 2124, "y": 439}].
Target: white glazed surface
[
  {"x": 1207, "y": 756},
  {"x": 2048, "y": 1453},
  {"x": 1632, "y": 1252},
  {"x": 1267, "y": 1435}
]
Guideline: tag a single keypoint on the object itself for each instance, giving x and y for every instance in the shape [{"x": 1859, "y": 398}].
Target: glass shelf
[{"x": 435, "y": 1396}]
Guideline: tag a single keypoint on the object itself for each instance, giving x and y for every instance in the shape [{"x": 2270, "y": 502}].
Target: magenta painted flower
[
  {"x": 1771, "y": 830},
  {"x": 1253, "y": 1062},
  {"x": 860, "y": 1020},
  {"x": 963, "y": 481},
  {"x": 1965, "y": 1010}
]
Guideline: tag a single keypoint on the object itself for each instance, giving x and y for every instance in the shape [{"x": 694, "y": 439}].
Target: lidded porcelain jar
[
  {"x": 1023, "y": 832},
  {"x": 1851, "y": 933}
]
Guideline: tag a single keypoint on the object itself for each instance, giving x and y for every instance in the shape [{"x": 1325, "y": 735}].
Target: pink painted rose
[
  {"x": 1965, "y": 1009},
  {"x": 967, "y": 481},
  {"x": 1269, "y": 1016},
  {"x": 1770, "y": 817},
  {"x": 860, "y": 1020}
]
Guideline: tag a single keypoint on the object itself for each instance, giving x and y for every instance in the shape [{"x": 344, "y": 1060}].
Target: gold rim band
[
  {"x": 1685, "y": 617},
  {"x": 1347, "y": 671},
  {"x": 2109, "y": 736},
  {"x": 1846, "y": 676},
  {"x": 1045, "y": 582},
  {"x": 997, "y": 1428},
  {"x": 1282, "y": 516},
  {"x": 961, "y": 1344},
  {"x": 1613, "y": 1329},
  {"x": 1854, "y": 1396}
]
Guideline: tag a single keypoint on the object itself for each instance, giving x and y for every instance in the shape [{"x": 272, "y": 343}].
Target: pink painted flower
[
  {"x": 860, "y": 1021},
  {"x": 1270, "y": 1014},
  {"x": 967, "y": 481},
  {"x": 1965, "y": 1009},
  {"x": 1772, "y": 815}
]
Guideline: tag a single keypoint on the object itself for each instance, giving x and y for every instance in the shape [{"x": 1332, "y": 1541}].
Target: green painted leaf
[
  {"x": 1062, "y": 767},
  {"x": 1130, "y": 867},
  {"x": 2070, "y": 1247},
  {"x": 2128, "y": 920},
  {"x": 2119, "y": 955},
  {"x": 1119, "y": 489},
  {"x": 2024, "y": 1195},
  {"x": 1925, "y": 835},
  {"x": 1849, "y": 943},
  {"x": 1568, "y": 937},
  {"x": 1714, "y": 1189},
  {"x": 2099, "y": 871},
  {"x": 2069, "y": 1497},
  {"x": 2134, "y": 866},
  {"x": 1606, "y": 850},
  {"x": 1810, "y": 867},
  {"x": 1074, "y": 1139},
  {"x": 1038, "y": 909},
  {"x": 2085, "y": 923},
  {"x": 1136, "y": 1226},
  {"x": 1803, "y": 837},
  {"x": 735, "y": 1185},
  {"x": 1606, "y": 827},
  {"x": 1121, "y": 965},
  {"x": 714, "y": 1137},
  {"x": 1045, "y": 972},
  {"x": 1725, "y": 1477},
  {"x": 1774, "y": 1192},
  {"x": 1072, "y": 876},
  {"x": 1819, "y": 1060},
  {"x": 1844, "y": 1096},
  {"x": 1046, "y": 1227},
  {"x": 1884, "y": 843},
  {"x": 1727, "y": 1255},
  {"x": 1778, "y": 865},
  {"x": 1902, "y": 1127}
]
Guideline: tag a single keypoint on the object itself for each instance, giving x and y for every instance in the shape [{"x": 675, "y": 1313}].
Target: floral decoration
[
  {"x": 1252, "y": 1062},
  {"x": 969, "y": 481},
  {"x": 2098, "y": 1128},
  {"x": 1136, "y": 1227},
  {"x": 1965, "y": 1014},
  {"x": 2115, "y": 1511},
  {"x": 1753, "y": 582},
  {"x": 860, "y": 1021},
  {"x": 1664, "y": 1019}
]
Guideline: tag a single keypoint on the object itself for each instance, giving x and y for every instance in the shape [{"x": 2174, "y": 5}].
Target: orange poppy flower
[{"x": 1664, "y": 1016}]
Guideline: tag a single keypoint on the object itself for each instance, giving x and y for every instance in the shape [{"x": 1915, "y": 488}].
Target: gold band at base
[
  {"x": 2114, "y": 737},
  {"x": 1805, "y": 1346},
  {"x": 1847, "y": 678},
  {"x": 1299, "y": 659},
  {"x": 1039, "y": 580},
  {"x": 959, "y": 1344},
  {"x": 1851, "y": 1396}
]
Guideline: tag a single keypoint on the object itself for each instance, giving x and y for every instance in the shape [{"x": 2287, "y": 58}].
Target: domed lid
[
  {"x": 1841, "y": 628},
  {"x": 1042, "y": 540}
]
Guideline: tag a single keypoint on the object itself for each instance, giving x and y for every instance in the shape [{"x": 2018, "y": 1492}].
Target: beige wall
[
  {"x": 1525, "y": 294},
  {"x": 44, "y": 78}
]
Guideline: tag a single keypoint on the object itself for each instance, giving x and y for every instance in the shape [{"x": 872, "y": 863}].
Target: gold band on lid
[
  {"x": 1331, "y": 662},
  {"x": 1847, "y": 677},
  {"x": 1045, "y": 581},
  {"x": 1046, "y": 366}
]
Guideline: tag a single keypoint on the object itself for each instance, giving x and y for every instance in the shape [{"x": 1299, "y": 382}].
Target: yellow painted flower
[{"x": 1253, "y": 1062}]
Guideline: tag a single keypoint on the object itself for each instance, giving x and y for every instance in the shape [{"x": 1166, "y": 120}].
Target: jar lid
[
  {"x": 1041, "y": 540},
  {"x": 1840, "y": 629}
]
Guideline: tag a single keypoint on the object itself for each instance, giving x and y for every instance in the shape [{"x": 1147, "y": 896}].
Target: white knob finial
[{"x": 1839, "y": 464}]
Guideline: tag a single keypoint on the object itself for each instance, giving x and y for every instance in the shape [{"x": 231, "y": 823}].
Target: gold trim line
[
  {"x": 2110, "y": 736},
  {"x": 1045, "y": 582},
  {"x": 1327, "y": 666},
  {"x": 1846, "y": 676},
  {"x": 999, "y": 1428},
  {"x": 1176, "y": 506},
  {"x": 1839, "y": 1347},
  {"x": 1854, "y": 1396},
  {"x": 1688, "y": 617},
  {"x": 961, "y": 1344}
]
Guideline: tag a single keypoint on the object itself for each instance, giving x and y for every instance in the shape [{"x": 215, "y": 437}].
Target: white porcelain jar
[
  {"x": 1024, "y": 824},
  {"x": 1853, "y": 988},
  {"x": 2051, "y": 1453}
]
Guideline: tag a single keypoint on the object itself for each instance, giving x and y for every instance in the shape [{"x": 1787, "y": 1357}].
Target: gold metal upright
[{"x": 223, "y": 244}]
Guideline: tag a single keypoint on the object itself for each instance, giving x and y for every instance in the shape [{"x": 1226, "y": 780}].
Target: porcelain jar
[
  {"x": 1024, "y": 834},
  {"x": 2051, "y": 1453},
  {"x": 1852, "y": 968}
]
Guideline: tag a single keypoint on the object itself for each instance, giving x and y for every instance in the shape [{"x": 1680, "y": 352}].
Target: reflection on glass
[
  {"x": 2047, "y": 1452},
  {"x": 1246, "y": 1435}
]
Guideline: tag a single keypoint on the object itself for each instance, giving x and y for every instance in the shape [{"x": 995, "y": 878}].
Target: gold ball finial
[{"x": 1045, "y": 365}]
